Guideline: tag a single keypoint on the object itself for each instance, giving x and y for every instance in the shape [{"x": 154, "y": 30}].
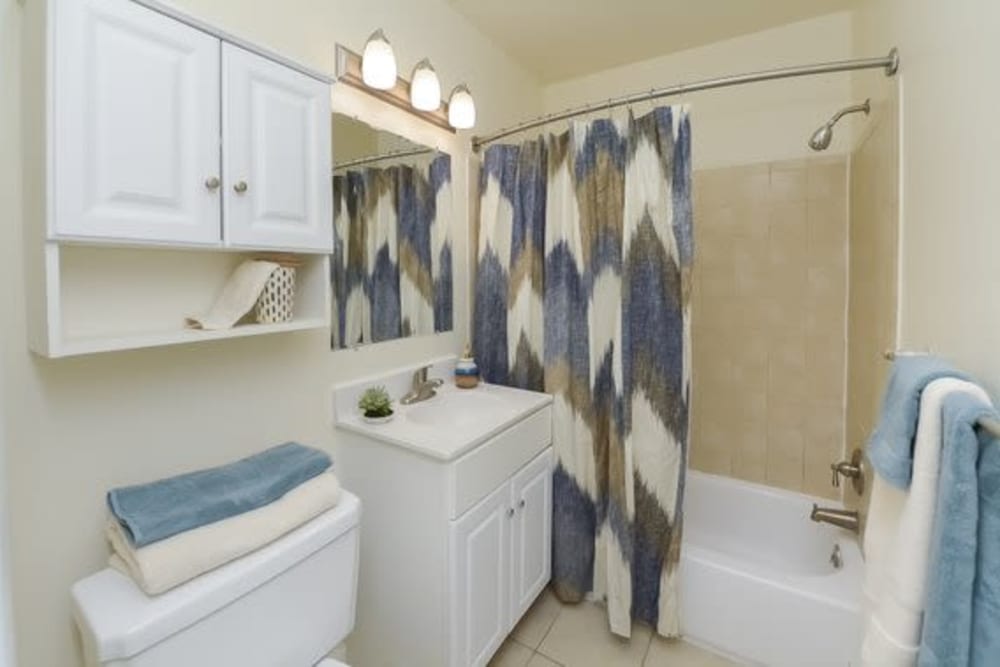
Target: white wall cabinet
[
  {"x": 160, "y": 152},
  {"x": 276, "y": 155},
  {"x": 501, "y": 556},
  {"x": 140, "y": 153},
  {"x": 454, "y": 548}
]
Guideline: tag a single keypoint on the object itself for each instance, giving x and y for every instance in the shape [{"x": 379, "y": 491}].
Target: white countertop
[{"x": 452, "y": 423}]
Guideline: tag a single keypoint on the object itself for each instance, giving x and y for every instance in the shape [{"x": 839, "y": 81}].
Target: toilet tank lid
[{"x": 124, "y": 621}]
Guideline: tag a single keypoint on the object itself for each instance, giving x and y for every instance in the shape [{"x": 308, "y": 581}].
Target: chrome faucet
[
  {"x": 421, "y": 388},
  {"x": 846, "y": 519}
]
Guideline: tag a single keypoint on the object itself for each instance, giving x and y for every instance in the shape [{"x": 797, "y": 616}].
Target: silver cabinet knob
[
  {"x": 521, "y": 503},
  {"x": 240, "y": 187},
  {"x": 510, "y": 512},
  {"x": 212, "y": 183}
]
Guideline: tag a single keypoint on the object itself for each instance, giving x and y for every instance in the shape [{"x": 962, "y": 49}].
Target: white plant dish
[{"x": 378, "y": 420}]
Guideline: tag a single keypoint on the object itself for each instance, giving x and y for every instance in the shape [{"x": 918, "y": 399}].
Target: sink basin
[
  {"x": 451, "y": 423},
  {"x": 457, "y": 409}
]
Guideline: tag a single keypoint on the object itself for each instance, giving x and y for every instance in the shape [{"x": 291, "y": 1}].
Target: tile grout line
[
  {"x": 649, "y": 647},
  {"x": 547, "y": 631}
]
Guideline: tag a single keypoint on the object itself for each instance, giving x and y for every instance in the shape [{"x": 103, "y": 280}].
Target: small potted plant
[{"x": 375, "y": 405}]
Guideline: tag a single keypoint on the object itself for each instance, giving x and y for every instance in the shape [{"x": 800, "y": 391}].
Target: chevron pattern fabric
[
  {"x": 583, "y": 291},
  {"x": 391, "y": 269}
]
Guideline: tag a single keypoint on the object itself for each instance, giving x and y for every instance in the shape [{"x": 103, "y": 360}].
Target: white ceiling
[{"x": 560, "y": 39}]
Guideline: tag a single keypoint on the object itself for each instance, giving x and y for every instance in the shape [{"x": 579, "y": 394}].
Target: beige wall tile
[
  {"x": 788, "y": 182},
  {"x": 785, "y": 457},
  {"x": 749, "y": 461},
  {"x": 770, "y": 326},
  {"x": 827, "y": 179}
]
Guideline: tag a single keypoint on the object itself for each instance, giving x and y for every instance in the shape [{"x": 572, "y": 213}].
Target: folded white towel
[
  {"x": 162, "y": 565},
  {"x": 898, "y": 537},
  {"x": 238, "y": 296}
]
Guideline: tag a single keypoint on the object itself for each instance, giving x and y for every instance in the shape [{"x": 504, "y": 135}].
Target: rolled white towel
[{"x": 162, "y": 565}]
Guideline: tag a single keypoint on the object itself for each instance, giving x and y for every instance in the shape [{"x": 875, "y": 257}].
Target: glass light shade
[
  {"x": 378, "y": 63},
  {"x": 425, "y": 89},
  {"x": 461, "y": 108}
]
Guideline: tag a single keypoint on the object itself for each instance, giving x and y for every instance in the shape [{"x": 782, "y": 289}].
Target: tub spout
[{"x": 845, "y": 519}]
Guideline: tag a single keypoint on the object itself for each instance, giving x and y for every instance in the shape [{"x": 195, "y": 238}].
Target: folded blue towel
[
  {"x": 962, "y": 611},
  {"x": 155, "y": 511},
  {"x": 890, "y": 448},
  {"x": 986, "y": 595}
]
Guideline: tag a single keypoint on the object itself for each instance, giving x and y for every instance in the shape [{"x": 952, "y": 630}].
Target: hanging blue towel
[
  {"x": 155, "y": 511},
  {"x": 890, "y": 448},
  {"x": 962, "y": 611}
]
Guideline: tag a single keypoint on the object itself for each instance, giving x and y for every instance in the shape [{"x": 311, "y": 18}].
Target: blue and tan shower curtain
[
  {"x": 391, "y": 268},
  {"x": 583, "y": 291}
]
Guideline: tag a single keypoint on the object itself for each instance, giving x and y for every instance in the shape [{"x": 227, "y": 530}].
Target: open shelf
[
  {"x": 101, "y": 299},
  {"x": 159, "y": 338}
]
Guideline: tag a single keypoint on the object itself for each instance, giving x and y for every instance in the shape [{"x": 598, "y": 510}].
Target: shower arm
[{"x": 864, "y": 106}]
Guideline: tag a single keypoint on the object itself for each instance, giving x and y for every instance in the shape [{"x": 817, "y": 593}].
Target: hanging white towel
[
  {"x": 897, "y": 540},
  {"x": 238, "y": 296},
  {"x": 162, "y": 565}
]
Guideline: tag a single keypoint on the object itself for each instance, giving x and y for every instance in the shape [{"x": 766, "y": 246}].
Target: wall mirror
[{"x": 391, "y": 270}]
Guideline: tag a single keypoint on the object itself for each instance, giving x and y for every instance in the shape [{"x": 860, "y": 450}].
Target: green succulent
[{"x": 375, "y": 402}]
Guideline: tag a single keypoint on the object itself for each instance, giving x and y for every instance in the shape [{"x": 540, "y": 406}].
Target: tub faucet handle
[{"x": 852, "y": 470}]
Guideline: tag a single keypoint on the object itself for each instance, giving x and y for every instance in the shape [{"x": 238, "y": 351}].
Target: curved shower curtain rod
[
  {"x": 889, "y": 63},
  {"x": 384, "y": 156}
]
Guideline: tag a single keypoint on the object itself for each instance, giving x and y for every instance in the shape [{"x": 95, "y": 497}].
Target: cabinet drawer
[{"x": 488, "y": 466}]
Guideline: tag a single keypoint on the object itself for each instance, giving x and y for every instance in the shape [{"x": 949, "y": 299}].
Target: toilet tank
[{"x": 287, "y": 604}]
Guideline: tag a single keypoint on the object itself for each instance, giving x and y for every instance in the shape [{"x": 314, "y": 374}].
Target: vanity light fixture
[
  {"x": 350, "y": 72},
  {"x": 378, "y": 62},
  {"x": 425, "y": 89},
  {"x": 461, "y": 108}
]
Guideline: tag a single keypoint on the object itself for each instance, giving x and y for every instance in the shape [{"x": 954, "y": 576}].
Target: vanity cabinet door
[
  {"x": 479, "y": 586},
  {"x": 531, "y": 538},
  {"x": 135, "y": 126},
  {"x": 276, "y": 156}
]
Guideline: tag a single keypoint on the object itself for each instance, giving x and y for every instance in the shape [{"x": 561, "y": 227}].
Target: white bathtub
[{"x": 757, "y": 582}]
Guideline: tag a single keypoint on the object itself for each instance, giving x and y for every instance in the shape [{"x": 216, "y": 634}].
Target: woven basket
[{"x": 276, "y": 302}]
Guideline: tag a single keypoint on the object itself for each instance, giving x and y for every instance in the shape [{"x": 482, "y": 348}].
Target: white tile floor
[{"x": 552, "y": 634}]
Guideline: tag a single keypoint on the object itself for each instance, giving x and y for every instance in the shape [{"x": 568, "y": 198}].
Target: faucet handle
[
  {"x": 852, "y": 469},
  {"x": 420, "y": 376}
]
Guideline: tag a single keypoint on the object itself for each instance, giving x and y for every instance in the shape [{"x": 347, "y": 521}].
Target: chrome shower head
[{"x": 821, "y": 138}]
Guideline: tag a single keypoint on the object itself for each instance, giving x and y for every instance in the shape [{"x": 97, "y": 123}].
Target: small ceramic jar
[{"x": 466, "y": 371}]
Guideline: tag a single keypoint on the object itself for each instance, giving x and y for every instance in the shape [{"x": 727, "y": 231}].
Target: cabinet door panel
[
  {"x": 135, "y": 125},
  {"x": 531, "y": 541},
  {"x": 480, "y": 587},
  {"x": 276, "y": 155}
]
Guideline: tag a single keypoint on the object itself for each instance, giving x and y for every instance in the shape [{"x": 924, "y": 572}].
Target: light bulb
[
  {"x": 461, "y": 108},
  {"x": 378, "y": 62},
  {"x": 425, "y": 89}
]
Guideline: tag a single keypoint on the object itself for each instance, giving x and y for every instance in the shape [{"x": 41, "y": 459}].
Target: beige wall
[
  {"x": 871, "y": 313},
  {"x": 768, "y": 322},
  {"x": 79, "y": 426},
  {"x": 746, "y": 124},
  {"x": 10, "y": 196},
  {"x": 352, "y": 139},
  {"x": 950, "y": 171}
]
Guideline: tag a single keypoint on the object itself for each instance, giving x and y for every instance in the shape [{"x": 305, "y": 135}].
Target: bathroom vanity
[{"x": 456, "y": 532}]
